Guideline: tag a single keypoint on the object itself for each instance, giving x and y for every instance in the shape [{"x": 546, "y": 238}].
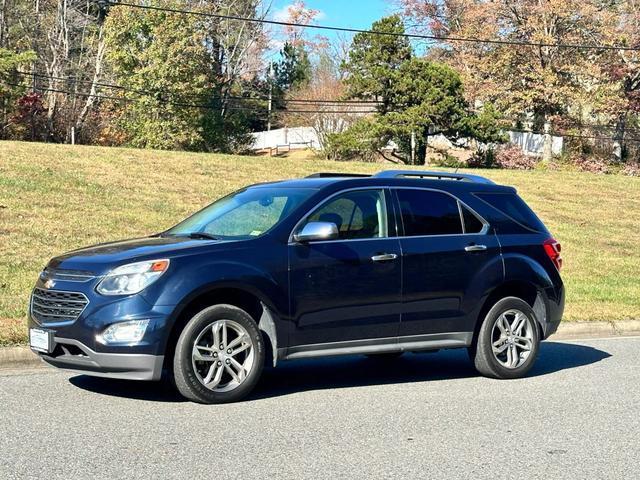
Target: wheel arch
[
  {"x": 255, "y": 303},
  {"x": 526, "y": 290}
]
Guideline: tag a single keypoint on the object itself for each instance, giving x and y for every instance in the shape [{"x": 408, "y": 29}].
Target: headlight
[
  {"x": 124, "y": 332},
  {"x": 132, "y": 278}
]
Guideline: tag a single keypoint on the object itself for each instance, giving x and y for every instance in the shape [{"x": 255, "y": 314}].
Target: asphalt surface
[{"x": 421, "y": 416}]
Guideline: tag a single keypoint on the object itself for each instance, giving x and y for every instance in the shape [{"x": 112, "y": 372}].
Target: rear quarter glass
[{"x": 512, "y": 206}]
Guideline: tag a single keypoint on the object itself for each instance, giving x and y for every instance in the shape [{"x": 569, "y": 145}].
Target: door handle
[
  {"x": 475, "y": 248},
  {"x": 385, "y": 257}
]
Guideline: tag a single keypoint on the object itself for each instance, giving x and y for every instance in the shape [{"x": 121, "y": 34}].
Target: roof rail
[
  {"x": 336, "y": 175},
  {"x": 462, "y": 177}
]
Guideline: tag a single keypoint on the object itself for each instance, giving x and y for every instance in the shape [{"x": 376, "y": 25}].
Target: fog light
[{"x": 124, "y": 332}]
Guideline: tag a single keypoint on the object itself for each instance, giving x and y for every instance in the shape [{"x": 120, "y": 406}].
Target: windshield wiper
[{"x": 203, "y": 235}]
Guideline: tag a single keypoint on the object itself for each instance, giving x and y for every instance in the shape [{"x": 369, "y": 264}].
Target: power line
[
  {"x": 440, "y": 38},
  {"x": 190, "y": 105},
  {"x": 298, "y": 111},
  {"x": 157, "y": 92}
]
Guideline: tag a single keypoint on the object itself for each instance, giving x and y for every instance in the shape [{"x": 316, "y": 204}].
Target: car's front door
[
  {"x": 448, "y": 256},
  {"x": 347, "y": 289}
]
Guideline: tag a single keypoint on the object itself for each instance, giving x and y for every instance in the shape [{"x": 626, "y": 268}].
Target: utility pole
[
  {"x": 270, "y": 96},
  {"x": 413, "y": 147}
]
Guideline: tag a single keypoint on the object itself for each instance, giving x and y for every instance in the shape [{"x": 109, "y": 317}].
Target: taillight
[{"x": 553, "y": 250}]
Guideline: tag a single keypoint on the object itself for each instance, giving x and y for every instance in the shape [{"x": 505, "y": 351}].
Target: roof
[{"x": 415, "y": 178}]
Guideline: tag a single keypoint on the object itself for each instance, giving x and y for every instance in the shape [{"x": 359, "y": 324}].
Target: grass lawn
[{"x": 54, "y": 198}]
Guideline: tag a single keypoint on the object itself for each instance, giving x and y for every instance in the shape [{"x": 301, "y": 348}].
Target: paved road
[{"x": 421, "y": 416}]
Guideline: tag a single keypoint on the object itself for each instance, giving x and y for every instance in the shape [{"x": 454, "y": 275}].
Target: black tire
[
  {"x": 481, "y": 352},
  {"x": 185, "y": 377},
  {"x": 384, "y": 356}
]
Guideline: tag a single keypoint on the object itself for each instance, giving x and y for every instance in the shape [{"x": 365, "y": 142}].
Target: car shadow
[{"x": 354, "y": 371}]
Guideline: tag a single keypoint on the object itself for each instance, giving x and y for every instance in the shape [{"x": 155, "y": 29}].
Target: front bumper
[{"x": 73, "y": 355}]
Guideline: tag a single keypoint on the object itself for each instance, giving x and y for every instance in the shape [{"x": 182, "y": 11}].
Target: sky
[{"x": 339, "y": 13}]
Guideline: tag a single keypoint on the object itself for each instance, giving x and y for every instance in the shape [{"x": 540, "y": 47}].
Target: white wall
[
  {"x": 305, "y": 137},
  {"x": 298, "y": 137},
  {"x": 533, "y": 143}
]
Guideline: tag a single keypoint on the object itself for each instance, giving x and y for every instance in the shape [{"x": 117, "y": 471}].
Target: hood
[{"x": 99, "y": 259}]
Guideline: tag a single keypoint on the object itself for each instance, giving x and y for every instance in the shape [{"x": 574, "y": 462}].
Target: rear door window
[{"x": 425, "y": 212}]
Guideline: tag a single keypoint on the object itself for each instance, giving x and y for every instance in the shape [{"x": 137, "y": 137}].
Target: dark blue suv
[{"x": 326, "y": 265}]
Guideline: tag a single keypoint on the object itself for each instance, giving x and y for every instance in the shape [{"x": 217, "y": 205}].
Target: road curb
[
  {"x": 18, "y": 357},
  {"x": 22, "y": 356},
  {"x": 577, "y": 330}
]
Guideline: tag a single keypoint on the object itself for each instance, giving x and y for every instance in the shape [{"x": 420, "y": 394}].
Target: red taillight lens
[{"x": 553, "y": 250}]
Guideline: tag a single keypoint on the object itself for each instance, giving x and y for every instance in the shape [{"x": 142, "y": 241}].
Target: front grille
[{"x": 53, "y": 306}]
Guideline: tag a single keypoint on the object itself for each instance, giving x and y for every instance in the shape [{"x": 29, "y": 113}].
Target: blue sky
[{"x": 341, "y": 13}]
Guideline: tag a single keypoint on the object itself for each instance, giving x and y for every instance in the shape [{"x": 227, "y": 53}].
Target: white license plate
[{"x": 40, "y": 340}]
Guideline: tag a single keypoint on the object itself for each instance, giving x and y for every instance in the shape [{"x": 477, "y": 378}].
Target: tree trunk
[
  {"x": 547, "y": 146},
  {"x": 97, "y": 72},
  {"x": 618, "y": 138},
  {"x": 3, "y": 23}
]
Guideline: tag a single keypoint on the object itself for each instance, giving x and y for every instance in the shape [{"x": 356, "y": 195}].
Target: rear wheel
[
  {"x": 219, "y": 356},
  {"x": 508, "y": 341}
]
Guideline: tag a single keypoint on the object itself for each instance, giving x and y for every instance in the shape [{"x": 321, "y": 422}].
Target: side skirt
[{"x": 413, "y": 343}]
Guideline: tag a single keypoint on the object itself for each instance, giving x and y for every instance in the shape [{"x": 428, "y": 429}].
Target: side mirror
[{"x": 317, "y": 231}]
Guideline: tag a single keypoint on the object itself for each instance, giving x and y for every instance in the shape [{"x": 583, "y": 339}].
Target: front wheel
[
  {"x": 219, "y": 356},
  {"x": 508, "y": 341}
]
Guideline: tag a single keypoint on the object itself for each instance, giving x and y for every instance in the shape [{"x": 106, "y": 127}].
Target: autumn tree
[
  {"x": 618, "y": 95},
  {"x": 537, "y": 83}
]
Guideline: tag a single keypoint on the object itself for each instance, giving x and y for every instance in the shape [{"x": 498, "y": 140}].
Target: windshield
[{"x": 245, "y": 214}]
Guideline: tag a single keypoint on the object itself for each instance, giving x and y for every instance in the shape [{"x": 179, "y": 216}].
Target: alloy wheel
[
  {"x": 512, "y": 338},
  {"x": 223, "y": 355}
]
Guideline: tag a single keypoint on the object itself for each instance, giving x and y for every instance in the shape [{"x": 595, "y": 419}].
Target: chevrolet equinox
[{"x": 331, "y": 264}]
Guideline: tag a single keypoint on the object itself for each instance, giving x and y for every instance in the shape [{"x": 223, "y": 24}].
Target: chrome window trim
[{"x": 397, "y": 214}]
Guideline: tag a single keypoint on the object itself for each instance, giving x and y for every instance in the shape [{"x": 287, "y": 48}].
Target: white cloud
[{"x": 282, "y": 14}]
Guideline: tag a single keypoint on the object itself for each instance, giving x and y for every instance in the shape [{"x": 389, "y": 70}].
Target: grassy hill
[{"x": 54, "y": 198}]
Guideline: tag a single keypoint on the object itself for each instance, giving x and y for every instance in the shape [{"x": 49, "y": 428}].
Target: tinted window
[
  {"x": 472, "y": 224},
  {"x": 428, "y": 213},
  {"x": 357, "y": 214},
  {"x": 513, "y": 206}
]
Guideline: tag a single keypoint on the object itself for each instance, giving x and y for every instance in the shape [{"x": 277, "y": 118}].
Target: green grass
[{"x": 54, "y": 198}]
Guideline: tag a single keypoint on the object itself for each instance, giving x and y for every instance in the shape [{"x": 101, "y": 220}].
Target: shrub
[
  {"x": 357, "y": 142},
  {"x": 448, "y": 161},
  {"x": 512, "y": 157},
  {"x": 631, "y": 169},
  {"x": 483, "y": 159},
  {"x": 592, "y": 164}
]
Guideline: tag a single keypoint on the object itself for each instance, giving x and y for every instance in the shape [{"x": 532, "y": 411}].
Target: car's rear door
[
  {"x": 347, "y": 289},
  {"x": 449, "y": 254}
]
